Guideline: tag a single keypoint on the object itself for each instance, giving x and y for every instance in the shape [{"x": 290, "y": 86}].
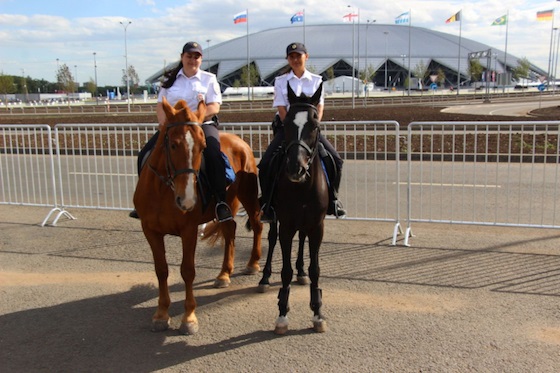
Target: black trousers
[{"x": 215, "y": 166}]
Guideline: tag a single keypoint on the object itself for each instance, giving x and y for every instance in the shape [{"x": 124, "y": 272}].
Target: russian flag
[{"x": 240, "y": 17}]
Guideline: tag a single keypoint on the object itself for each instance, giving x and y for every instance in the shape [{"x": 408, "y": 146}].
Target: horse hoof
[
  {"x": 250, "y": 271},
  {"x": 281, "y": 325},
  {"x": 220, "y": 284},
  {"x": 160, "y": 325},
  {"x": 319, "y": 325},
  {"x": 303, "y": 280},
  {"x": 263, "y": 288},
  {"x": 188, "y": 328}
]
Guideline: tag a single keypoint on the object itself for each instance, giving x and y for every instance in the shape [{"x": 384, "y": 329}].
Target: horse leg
[
  {"x": 264, "y": 283},
  {"x": 247, "y": 194},
  {"x": 315, "y": 239},
  {"x": 160, "y": 319},
  {"x": 302, "y": 277},
  {"x": 228, "y": 230},
  {"x": 189, "y": 323},
  {"x": 287, "y": 274}
]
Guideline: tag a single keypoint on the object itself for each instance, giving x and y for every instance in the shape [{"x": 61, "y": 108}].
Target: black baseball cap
[
  {"x": 297, "y": 48},
  {"x": 192, "y": 47}
]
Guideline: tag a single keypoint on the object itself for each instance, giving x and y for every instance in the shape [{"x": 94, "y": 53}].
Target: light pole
[
  {"x": 353, "y": 57},
  {"x": 208, "y": 55},
  {"x": 404, "y": 81},
  {"x": 125, "y": 25},
  {"x": 77, "y": 84},
  {"x": 95, "y": 70},
  {"x": 367, "y": 68},
  {"x": 386, "y": 57}
]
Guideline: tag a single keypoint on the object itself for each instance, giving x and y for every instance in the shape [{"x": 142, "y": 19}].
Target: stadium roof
[{"x": 332, "y": 46}]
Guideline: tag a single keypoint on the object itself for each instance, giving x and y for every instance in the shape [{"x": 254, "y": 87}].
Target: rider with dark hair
[
  {"x": 301, "y": 81},
  {"x": 187, "y": 82}
]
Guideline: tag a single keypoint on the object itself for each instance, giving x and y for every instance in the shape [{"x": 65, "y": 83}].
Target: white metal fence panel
[
  {"x": 26, "y": 165},
  {"x": 97, "y": 163},
  {"x": 488, "y": 173}
]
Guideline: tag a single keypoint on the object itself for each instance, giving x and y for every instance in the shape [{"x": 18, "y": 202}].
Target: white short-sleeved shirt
[
  {"x": 188, "y": 89},
  {"x": 308, "y": 84}
]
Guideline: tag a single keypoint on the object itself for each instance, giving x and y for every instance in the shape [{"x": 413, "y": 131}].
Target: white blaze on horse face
[
  {"x": 300, "y": 120},
  {"x": 190, "y": 193}
]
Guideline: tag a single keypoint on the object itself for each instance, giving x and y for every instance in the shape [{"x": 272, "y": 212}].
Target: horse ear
[
  {"x": 201, "y": 111},
  {"x": 167, "y": 109},
  {"x": 316, "y": 98},
  {"x": 291, "y": 95}
]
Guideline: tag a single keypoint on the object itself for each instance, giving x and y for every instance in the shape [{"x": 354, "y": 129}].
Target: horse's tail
[{"x": 212, "y": 233}]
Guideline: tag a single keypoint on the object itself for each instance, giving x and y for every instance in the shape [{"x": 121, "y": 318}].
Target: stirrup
[
  {"x": 222, "y": 212},
  {"x": 338, "y": 210},
  {"x": 268, "y": 215}
]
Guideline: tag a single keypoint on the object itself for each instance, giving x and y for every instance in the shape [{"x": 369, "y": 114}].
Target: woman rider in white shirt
[
  {"x": 187, "y": 82},
  {"x": 301, "y": 81}
]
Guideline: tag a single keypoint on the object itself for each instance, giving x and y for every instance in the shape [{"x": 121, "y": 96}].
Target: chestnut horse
[
  {"x": 301, "y": 200},
  {"x": 168, "y": 202}
]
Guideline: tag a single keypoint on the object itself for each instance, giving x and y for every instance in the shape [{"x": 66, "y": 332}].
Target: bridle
[
  {"x": 312, "y": 152},
  {"x": 170, "y": 169}
]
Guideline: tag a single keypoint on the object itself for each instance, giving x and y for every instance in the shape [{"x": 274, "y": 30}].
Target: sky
[{"x": 37, "y": 36}]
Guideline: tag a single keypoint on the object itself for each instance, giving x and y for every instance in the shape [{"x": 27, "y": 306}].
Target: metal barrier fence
[
  {"x": 486, "y": 173},
  {"x": 96, "y": 165}
]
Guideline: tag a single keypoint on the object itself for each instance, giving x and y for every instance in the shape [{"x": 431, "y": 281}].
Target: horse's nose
[{"x": 184, "y": 204}]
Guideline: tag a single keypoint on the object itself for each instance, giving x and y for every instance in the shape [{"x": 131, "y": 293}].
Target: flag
[
  {"x": 402, "y": 18},
  {"x": 500, "y": 21},
  {"x": 454, "y": 18},
  {"x": 545, "y": 15},
  {"x": 240, "y": 17},
  {"x": 349, "y": 17},
  {"x": 298, "y": 17}
]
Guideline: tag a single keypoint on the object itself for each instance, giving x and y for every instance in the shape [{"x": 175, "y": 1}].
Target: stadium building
[{"x": 388, "y": 52}]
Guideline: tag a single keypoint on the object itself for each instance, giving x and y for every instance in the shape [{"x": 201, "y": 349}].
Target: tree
[
  {"x": 475, "y": 70},
  {"x": 420, "y": 71},
  {"x": 65, "y": 79},
  {"x": 254, "y": 76},
  {"x": 440, "y": 76},
  {"x": 6, "y": 86},
  {"x": 91, "y": 87},
  {"x": 134, "y": 80},
  {"x": 522, "y": 69}
]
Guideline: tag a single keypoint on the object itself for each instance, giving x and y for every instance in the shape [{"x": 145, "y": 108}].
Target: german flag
[
  {"x": 454, "y": 18},
  {"x": 545, "y": 15}
]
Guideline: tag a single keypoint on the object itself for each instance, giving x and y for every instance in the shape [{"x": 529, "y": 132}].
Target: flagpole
[
  {"x": 459, "y": 52},
  {"x": 303, "y": 25},
  {"x": 409, "y": 37},
  {"x": 505, "y": 56},
  {"x": 550, "y": 51},
  {"x": 248, "y": 67}
]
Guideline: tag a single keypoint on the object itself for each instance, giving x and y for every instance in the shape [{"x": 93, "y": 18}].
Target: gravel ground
[{"x": 79, "y": 297}]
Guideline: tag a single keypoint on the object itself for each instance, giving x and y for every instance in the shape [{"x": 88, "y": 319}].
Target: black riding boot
[
  {"x": 335, "y": 206},
  {"x": 217, "y": 179},
  {"x": 268, "y": 214}
]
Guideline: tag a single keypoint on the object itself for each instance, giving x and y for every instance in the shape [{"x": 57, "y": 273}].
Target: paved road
[
  {"x": 511, "y": 108},
  {"x": 79, "y": 297}
]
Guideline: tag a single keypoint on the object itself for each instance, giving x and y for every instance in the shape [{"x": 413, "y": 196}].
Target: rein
[{"x": 170, "y": 169}]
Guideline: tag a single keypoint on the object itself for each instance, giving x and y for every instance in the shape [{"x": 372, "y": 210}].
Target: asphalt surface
[{"x": 79, "y": 297}]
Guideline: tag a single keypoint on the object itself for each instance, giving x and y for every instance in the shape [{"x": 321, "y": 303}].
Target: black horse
[{"x": 301, "y": 200}]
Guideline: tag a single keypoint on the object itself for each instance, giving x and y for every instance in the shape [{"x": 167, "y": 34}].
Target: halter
[
  {"x": 170, "y": 169},
  {"x": 312, "y": 152}
]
